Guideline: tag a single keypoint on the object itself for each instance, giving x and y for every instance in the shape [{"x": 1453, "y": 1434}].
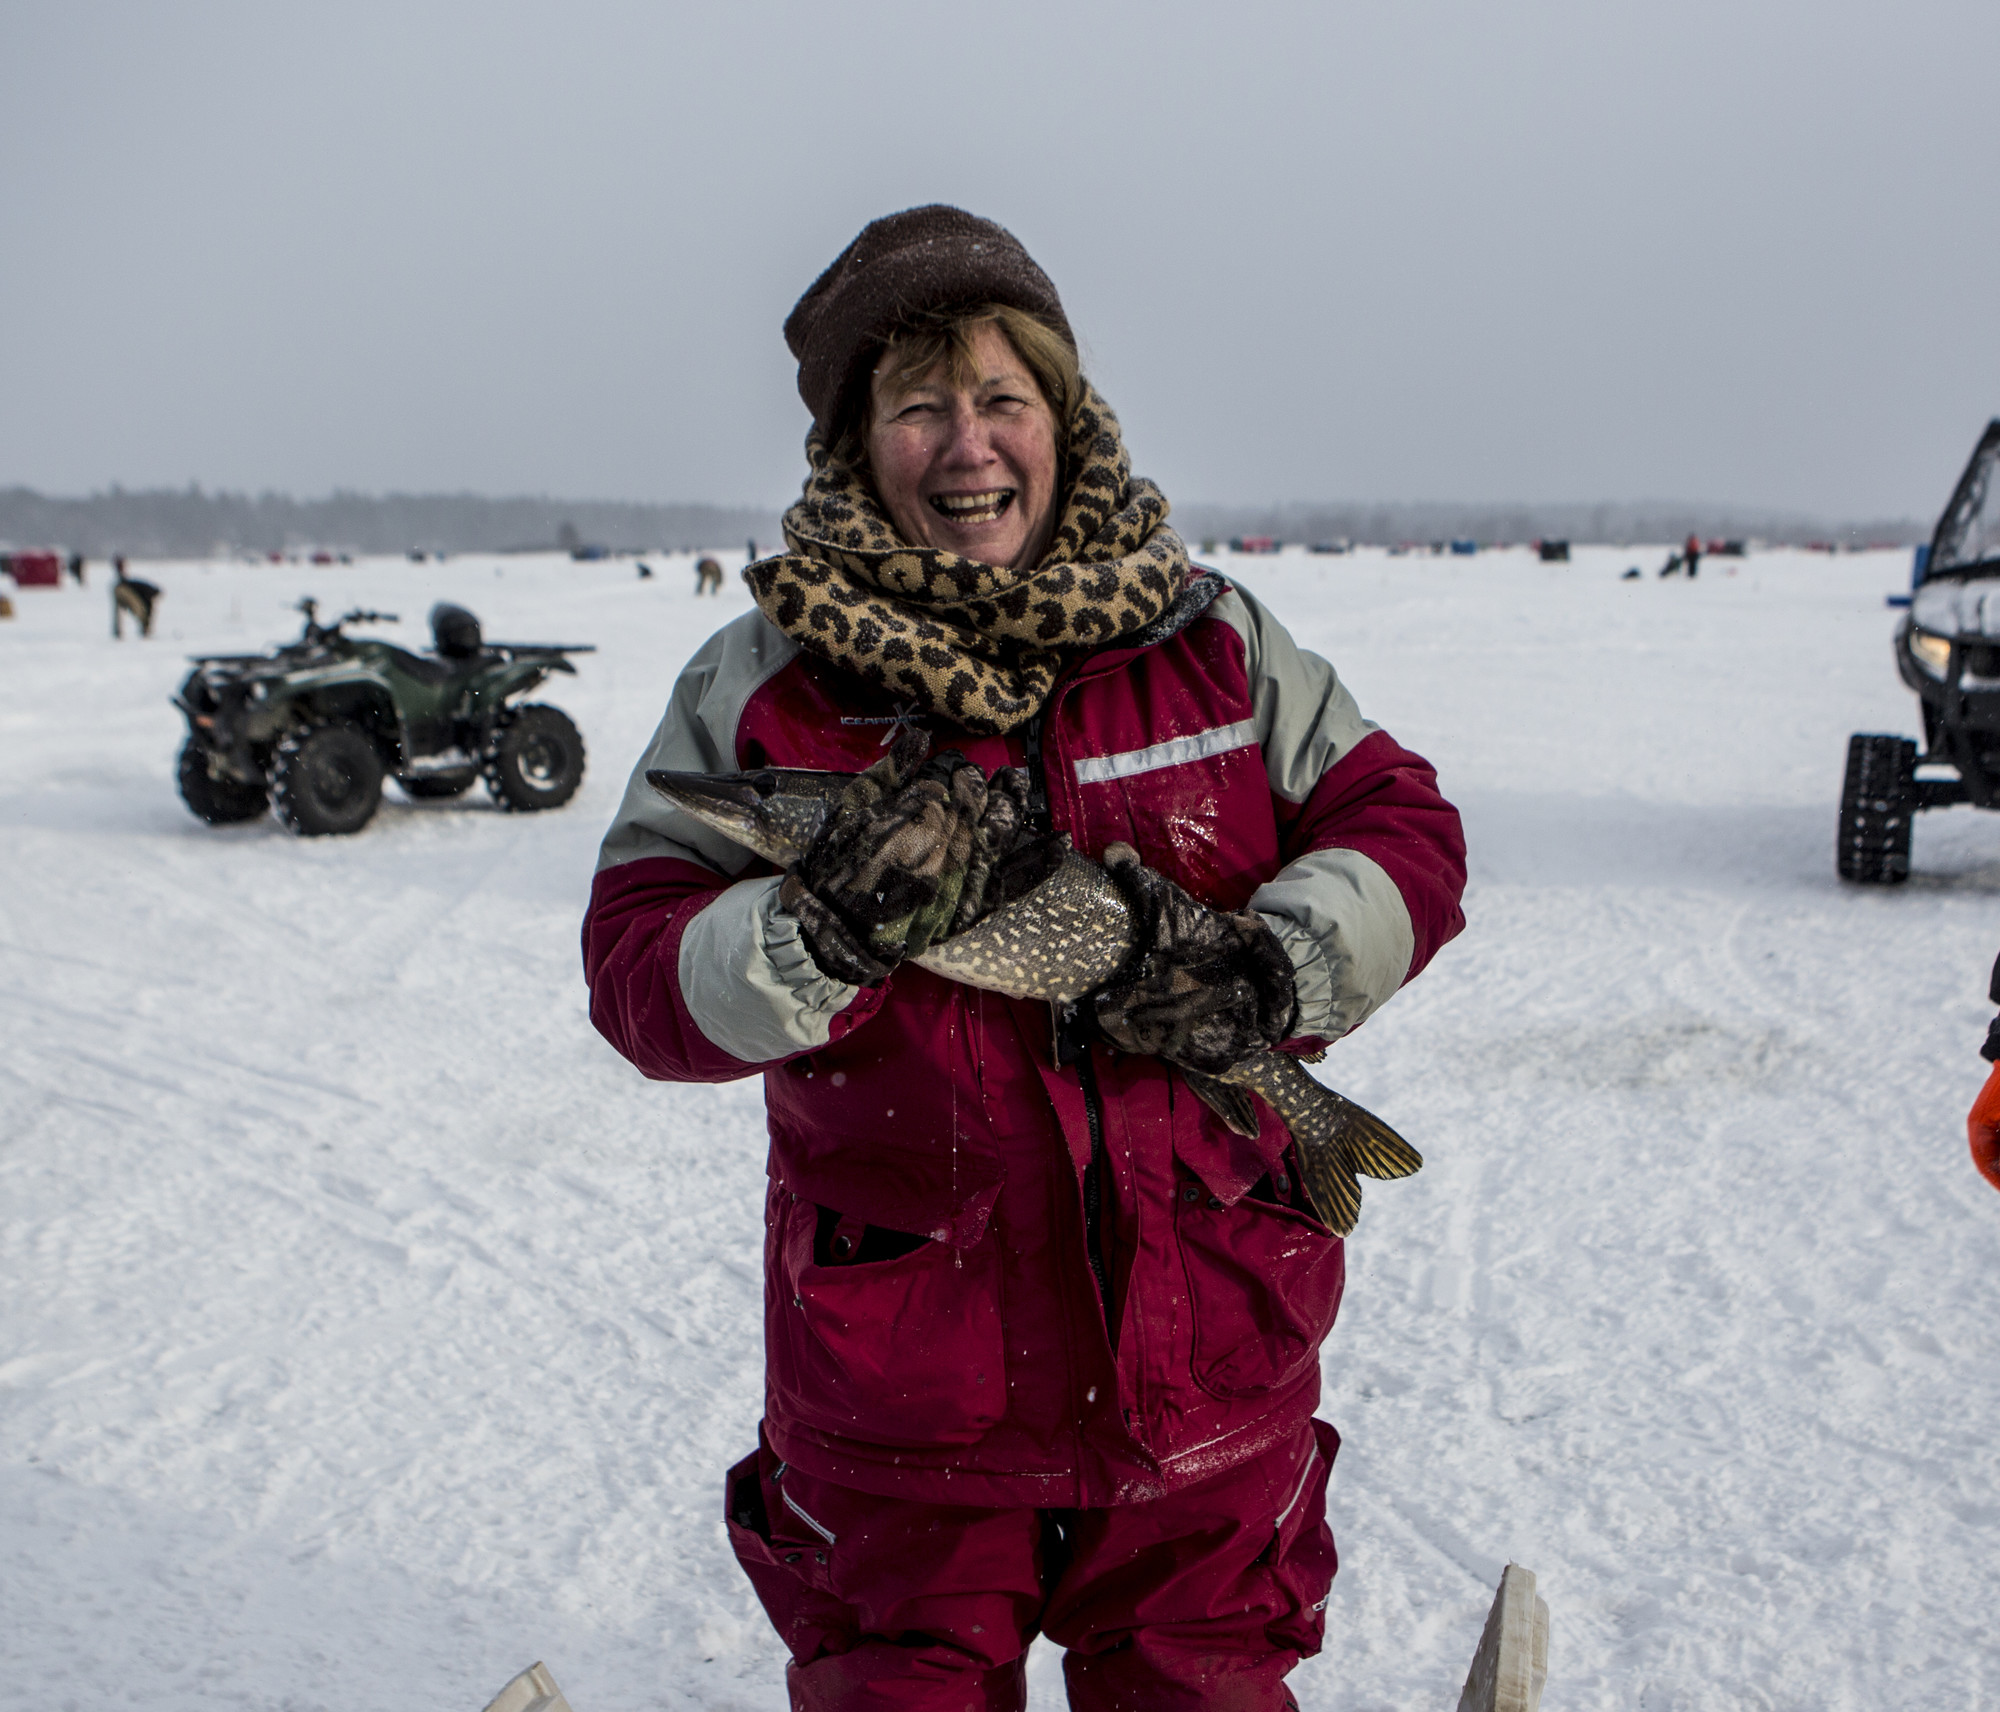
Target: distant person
[
  {"x": 76, "y": 568},
  {"x": 1691, "y": 556},
  {"x": 1982, "y": 1123},
  {"x": 708, "y": 576},
  {"x": 645, "y": 571},
  {"x": 750, "y": 547},
  {"x": 130, "y": 596}
]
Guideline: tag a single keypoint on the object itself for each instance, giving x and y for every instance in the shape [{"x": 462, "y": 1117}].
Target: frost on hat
[{"x": 903, "y": 265}]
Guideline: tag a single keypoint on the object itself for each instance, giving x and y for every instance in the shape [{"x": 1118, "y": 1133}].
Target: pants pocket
[
  {"x": 1303, "y": 1558},
  {"x": 789, "y": 1564}
]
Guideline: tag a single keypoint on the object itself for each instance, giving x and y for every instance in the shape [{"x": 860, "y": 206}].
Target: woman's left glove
[
  {"x": 903, "y": 860},
  {"x": 1205, "y": 988}
]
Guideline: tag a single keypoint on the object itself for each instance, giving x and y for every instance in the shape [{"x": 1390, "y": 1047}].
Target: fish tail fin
[
  {"x": 1331, "y": 1185},
  {"x": 1376, "y": 1149},
  {"x": 1335, "y": 1137}
]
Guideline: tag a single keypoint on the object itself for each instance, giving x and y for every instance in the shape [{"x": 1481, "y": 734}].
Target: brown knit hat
[{"x": 936, "y": 257}]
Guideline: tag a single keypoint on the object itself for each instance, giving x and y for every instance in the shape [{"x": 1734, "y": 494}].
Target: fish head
[{"x": 775, "y": 812}]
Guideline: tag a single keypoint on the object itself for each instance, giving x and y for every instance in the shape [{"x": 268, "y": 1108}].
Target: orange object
[{"x": 1982, "y": 1124}]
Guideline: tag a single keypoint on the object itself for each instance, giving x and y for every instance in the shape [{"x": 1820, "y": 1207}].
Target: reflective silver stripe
[
  {"x": 792, "y": 1504},
  {"x": 1298, "y": 1492},
  {"x": 1175, "y": 752}
]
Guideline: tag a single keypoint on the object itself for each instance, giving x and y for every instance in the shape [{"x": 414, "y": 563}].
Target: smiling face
[{"x": 968, "y": 464}]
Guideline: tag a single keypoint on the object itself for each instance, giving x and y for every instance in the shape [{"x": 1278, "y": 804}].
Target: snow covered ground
[{"x": 370, "y": 1330}]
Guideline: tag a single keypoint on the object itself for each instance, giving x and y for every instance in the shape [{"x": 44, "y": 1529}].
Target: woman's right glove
[
  {"x": 904, "y": 860},
  {"x": 1205, "y": 988}
]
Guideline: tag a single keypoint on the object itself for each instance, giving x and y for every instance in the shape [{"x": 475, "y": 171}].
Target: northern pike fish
[{"x": 1060, "y": 940}]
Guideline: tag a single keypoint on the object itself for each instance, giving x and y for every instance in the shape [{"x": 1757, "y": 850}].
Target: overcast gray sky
[{"x": 1740, "y": 250}]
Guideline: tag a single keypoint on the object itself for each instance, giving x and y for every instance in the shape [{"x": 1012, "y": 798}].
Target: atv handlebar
[
  {"x": 318, "y": 632},
  {"x": 543, "y": 647}
]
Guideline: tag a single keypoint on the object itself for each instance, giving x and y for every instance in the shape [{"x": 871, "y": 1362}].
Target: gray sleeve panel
[
  {"x": 748, "y": 980},
  {"x": 698, "y": 735},
  {"x": 1348, "y": 932},
  {"x": 1339, "y": 916},
  {"x": 1306, "y": 720}
]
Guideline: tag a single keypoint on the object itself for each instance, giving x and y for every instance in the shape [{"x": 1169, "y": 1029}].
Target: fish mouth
[
  {"x": 697, "y": 791},
  {"x": 774, "y": 813},
  {"x": 989, "y": 505}
]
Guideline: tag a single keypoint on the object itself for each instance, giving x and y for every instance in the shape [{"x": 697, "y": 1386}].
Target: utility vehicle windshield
[{"x": 1969, "y": 532}]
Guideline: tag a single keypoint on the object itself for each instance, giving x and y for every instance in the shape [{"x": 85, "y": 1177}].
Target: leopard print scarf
[{"x": 977, "y": 644}]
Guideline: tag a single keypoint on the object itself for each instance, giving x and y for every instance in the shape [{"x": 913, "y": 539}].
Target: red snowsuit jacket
[{"x": 988, "y": 1279}]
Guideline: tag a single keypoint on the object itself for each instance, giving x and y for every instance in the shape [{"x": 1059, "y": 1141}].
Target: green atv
[{"x": 312, "y": 727}]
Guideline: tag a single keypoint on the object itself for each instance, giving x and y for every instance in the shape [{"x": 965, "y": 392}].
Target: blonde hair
[{"x": 946, "y": 336}]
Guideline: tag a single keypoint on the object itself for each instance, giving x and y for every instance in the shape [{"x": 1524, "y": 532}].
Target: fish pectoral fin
[
  {"x": 1376, "y": 1149},
  {"x": 1233, "y": 1105}
]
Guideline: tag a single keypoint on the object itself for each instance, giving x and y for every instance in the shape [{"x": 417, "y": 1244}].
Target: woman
[{"x": 1041, "y": 1332}]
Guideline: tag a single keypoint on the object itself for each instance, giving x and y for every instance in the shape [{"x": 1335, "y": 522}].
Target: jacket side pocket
[
  {"x": 905, "y": 1350},
  {"x": 1264, "y": 1284}
]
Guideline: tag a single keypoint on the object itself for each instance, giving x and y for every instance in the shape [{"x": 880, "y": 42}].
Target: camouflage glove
[
  {"x": 904, "y": 860},
  {"x": 1204, "y": 990}
]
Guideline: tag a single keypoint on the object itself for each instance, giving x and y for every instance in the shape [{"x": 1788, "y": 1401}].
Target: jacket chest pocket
[
  {"x": 1264, "y": 1284},
  {"x": 886, "y": 1347},
  {"x": 1207, "y": 823}
]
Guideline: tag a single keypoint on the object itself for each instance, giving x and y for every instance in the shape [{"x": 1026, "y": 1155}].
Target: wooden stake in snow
[
  {"x": 534, "y": 1690},
  {"x": 1512, "y": 1662}
]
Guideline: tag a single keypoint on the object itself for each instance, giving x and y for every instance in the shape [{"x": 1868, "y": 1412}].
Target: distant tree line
[
  {"x": 1493, "y": 525},
  {"x": 190, "y": 523}
]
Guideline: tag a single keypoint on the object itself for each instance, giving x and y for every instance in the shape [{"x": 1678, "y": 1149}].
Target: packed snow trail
[{"x": 363, "y": 1305}]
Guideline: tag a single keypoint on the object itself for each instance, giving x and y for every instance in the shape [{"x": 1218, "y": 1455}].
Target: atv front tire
[
  {"x": 535, "y": 760},
  {"x": 220, "y": 802},
  {"x": 1878, "y": 802},
  {"x": 328, "y": 779}
]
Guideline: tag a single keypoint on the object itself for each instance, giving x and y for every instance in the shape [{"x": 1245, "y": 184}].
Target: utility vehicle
[
  {"x": 312, "y": 727},
  {"x": 1948, "y": 651}
]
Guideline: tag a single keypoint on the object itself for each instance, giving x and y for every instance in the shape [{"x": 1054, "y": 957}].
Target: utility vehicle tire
[
  {"x": 439, "y": 784},
  {"x": 1877, "y": 804},
  {"x": 535, "y": 760},
  {"x": 220, "y": 802},
  {"x": 328, "y": 779}
]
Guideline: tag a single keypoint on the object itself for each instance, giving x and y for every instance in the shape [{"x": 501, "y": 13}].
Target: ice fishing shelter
[{"x": 39, "y": 569}]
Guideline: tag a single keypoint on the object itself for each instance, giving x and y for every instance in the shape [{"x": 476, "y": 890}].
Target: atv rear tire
[
  {"x": 1878, "y": 802},
  {"x": 535, "y": 760},
  {"x": 433, "y": 785},
  {"x": 328, "y": 779},
  {"x": 220, "y": 802}
]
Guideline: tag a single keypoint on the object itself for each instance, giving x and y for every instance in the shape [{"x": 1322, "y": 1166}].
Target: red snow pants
[{"x": 1204, "y": 1598}]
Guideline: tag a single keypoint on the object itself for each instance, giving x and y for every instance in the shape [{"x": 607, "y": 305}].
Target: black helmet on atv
[{"x": 454, "y": 632}]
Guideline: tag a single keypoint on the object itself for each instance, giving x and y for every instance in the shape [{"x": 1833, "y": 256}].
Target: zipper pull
[{"x": 1071, "y": 1030}]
